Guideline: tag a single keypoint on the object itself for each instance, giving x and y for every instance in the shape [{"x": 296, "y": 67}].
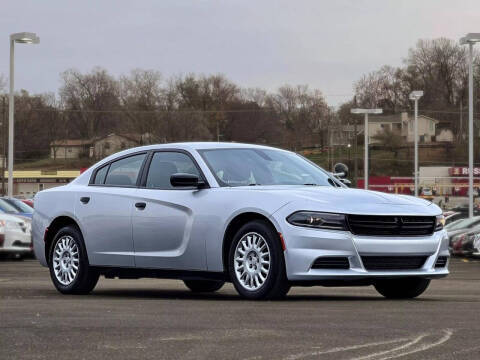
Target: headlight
[
  {"x": 318, "y": 220},
  {"x": 439, "y": 223}
]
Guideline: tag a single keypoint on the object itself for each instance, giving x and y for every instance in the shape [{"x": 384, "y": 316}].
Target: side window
[
  {"x": 100, "y": 175},
  {"x": 124, "y": 172},
  {"x": 164, "y": 165}
]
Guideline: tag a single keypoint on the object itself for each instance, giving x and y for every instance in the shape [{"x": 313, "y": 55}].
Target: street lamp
[
  {"x": 470, "y": 39},
  {"x": 365, "y": 130},
  {"x": 21, "y": 38},
  {"x": 415, "y": 96}
]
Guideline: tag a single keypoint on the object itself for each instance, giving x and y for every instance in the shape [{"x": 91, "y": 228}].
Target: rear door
[
  {"x": 105, "y": 210},
  {"x": 168, "y": 232}
]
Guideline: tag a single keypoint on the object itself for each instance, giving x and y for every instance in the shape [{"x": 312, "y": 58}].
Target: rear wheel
[
  {"x": 68, "y": 263},
  {"x": 256, "y": 262},
  {"x": 204, "y": 285},
  {"x": 407, "y": 288}
]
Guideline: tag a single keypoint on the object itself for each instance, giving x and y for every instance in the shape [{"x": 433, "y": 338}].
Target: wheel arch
[
  {"x": 57, "y": 223},
  {"x": 234, "y": 225}
]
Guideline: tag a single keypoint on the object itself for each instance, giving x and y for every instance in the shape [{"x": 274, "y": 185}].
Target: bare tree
[
  {"x": 142, "y": 99},
  {"x": 91, "y": 101}
]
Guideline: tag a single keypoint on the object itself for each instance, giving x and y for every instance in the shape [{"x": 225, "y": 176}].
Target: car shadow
[{"x": 221, "y": 296}]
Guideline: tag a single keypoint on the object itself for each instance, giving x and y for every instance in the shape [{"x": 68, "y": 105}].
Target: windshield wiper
[
  {"x": 254, "y": 184},
  {"x": 309, "y": 184}
]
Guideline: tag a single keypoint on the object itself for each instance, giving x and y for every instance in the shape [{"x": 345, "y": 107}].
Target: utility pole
[
  {"x": 355, "y": 161},
  {"x": 4, "y": 142}
]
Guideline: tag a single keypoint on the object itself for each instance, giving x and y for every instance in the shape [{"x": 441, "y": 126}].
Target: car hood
[
  {"x": 350, "y": 201},
  {"x": 12, "y": 217}
]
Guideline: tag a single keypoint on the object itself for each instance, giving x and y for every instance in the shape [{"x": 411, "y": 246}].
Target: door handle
[
  {"x": 85, "y": 199},
  {"x": 140, "y": 205}
]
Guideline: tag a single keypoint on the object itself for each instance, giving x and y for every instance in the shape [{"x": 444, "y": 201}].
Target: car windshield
[
  {"x": 243, "y": 167},
  {"x": 8, "y": 208},
  {"x": 19, "y": 205}
]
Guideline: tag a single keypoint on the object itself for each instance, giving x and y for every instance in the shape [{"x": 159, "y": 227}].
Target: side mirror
[
  {"x": 340, "y": 170},
  {"x": 186, "y": 180}
]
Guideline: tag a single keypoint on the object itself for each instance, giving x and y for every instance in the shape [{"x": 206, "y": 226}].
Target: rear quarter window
[{"x": 100, "y": 175}]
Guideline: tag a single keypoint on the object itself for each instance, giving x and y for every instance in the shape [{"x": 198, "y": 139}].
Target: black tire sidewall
[
  {"x": 407, "y": 288},
  {"x": 204, "y": 285},
  {"x": 82, "y": 274},
  {"x": 276, "y": 276}
]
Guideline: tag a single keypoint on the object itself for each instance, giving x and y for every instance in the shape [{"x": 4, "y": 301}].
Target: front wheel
[
  {"x": 68, "y": 263},
  {"x": 407, "y": 288},
  {"x": 256, "y": 262},
  {"x": 203, "y": 285}
]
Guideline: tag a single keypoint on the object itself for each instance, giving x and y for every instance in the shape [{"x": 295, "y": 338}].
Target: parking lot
[{"x": 161, "y": 319}]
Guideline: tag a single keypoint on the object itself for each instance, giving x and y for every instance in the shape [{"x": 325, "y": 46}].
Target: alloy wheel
[
  {"x": 66, "y": 260},
  {"x": 252, "y": 261}
]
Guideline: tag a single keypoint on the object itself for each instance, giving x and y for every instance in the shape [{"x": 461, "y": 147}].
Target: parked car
[
  {"x": 464, "y": 209},
  {"x": 22, "y": 208},
  {"x": 463, "y": 244},
  {"x": 15, "y": 235},
  {"x": 263, "y": 218},
  {"x": 427, "y": 191},
  {"x": 452, "y": 216},
  {"x": 476, "y": 244},
  {"x": 462, "y": 226},
  {"x": 29, "y": 202}
]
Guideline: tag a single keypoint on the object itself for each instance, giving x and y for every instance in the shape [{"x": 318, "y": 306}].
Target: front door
[{"x": 167, "y": 231}]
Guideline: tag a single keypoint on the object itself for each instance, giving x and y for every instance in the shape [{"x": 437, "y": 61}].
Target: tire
[
  {"x": 67, "y": 251},
  {"x": 257, "y": 280},
  {"x": 407, "y": 288},
  {"x": 199, "y": 286}
]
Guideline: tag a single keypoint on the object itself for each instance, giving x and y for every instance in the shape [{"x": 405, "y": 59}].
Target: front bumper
[
  {"x": 305, "y": 245},
  {"x": 17, "y": 242}
]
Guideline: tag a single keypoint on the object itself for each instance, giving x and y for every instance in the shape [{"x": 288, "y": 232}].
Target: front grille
[
  {"x": 331, "y": 262},
  {"x": 370, "y": 225},
  {"x": 393, "y": 262},
  {"x": 441, "y": 262}
]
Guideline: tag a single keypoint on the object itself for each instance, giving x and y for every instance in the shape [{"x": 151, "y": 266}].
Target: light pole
[
  {"x": 415, "y": 96},
  {"x": 365, "y": 131},
  {"x": 21, "y": 38},
  {"x": 470, "y": 39}
]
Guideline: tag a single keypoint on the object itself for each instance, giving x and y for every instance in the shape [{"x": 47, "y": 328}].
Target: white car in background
[{"x": 15, "y": 235}]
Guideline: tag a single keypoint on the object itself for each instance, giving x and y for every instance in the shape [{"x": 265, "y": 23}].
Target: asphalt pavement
[{"x": 161, "y": 319}]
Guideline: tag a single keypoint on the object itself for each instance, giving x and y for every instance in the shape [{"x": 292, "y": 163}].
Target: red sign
[{"x": 463, "y": 171}]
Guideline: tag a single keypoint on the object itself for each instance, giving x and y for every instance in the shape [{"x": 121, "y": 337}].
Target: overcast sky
[{"x": 325, "y": 44}]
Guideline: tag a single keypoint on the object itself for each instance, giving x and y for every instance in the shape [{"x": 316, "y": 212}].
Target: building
[
  {"x": 400, "y": 124},
  {"x": 98, "y": 147},
  {"x": 27, "y": 183},
  {"x": 110, "y": 144},
  {"x": 69, "y": 148}
]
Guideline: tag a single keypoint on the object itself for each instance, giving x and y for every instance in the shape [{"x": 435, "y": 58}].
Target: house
[
  {"x": 400, "y": 124},
  {"x": 69, "y": 149},
  {"x": 98, "y": 147},
  {"x": 112, "y": 143}
]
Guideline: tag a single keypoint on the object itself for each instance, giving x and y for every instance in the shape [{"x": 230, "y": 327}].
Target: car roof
[{"x": 202, "y": 145}]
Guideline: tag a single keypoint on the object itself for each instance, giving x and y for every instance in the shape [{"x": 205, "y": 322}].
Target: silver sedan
[{"x": 263, "y": 218}]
